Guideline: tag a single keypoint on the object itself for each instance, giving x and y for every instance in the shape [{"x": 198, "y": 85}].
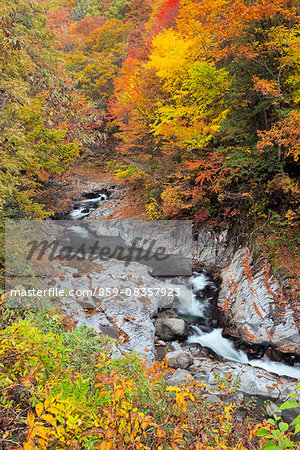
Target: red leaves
[
  {"x": 266, "y": 87},
  {"x": 43, "y": 175},
  {"x": 201, "y": 216},
  {"x": 228, "y": 212},
  {"x": 212, "y": 171},
  {"x": 166, "y": 17},
  {"x": 59, "y": 19},
  {"x": 86, "y": 26}
]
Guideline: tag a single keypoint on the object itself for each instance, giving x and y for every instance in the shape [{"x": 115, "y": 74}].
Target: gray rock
[
  {"x": 179, "y": 359},
  {"x": 211, "y": 398},
  {"x": 130, "y": 310},
  {"x": 180, "y": 376},
  {"x": 271, "y": 409},
  {"x": 196, "y": 363},
  {"x": 215, "y": 248},
  {"x": 171, "y": 329},
  {"x": 254, "y": 302},
  {"x": 251, "y": 380},
  {"x": 95, "y": 321},
  {"x": 87, "y": 305},
  {"x": 173, "y": 235}
]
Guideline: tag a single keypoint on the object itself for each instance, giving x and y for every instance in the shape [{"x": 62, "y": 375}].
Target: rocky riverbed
[{"x": 246, "y": 304}]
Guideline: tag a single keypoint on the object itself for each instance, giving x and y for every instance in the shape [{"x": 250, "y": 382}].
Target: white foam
[
  {"x": 191, "y": 306},
  {"x": 78, "y": 214},
  {"x": 224, "y": 347},
  {"x": 199, "y": 282},
  {"x": 276, "y": 367},
  {"x": 95, "y": 200},
  {"x": 216, "y": 342}
]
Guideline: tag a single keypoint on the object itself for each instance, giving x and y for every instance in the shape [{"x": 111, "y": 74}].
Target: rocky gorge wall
[
  {"x": 254, "y": 307},
  {"x": 247, "y": 305}
]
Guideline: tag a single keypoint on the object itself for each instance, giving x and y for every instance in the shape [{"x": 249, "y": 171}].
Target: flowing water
[
  {"x": 85, "y": 207},
  {"x": 220, "y": 345},
  {"x": 79, "y": 234},
  {"x": 196, "y": 309}
]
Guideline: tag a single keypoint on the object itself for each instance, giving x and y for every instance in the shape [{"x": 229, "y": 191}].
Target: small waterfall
[
  {"x": 86, "y": 206},
  {"x": 200, "y": 281},
  {"x": 80, "y": 213},
  {"x": 98, "y": 199},
  {"x": 197, "y": 303},
  {"x": 193, "y": 308},
  {"x": 216, "y": 342}
]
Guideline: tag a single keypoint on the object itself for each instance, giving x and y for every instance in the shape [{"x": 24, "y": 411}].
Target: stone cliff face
[
  {"x": 256, "y": 305},
  {"x": 215, "y": 249},
  {"x": 252, "y": 301}
]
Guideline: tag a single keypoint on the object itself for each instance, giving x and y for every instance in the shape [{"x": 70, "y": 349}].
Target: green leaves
[
  {"x": 43, "y": 120},
  {"x": 262, "y": 432},
  {"x": 278, "y": 434},
  {"x": 288, "y": 404}
]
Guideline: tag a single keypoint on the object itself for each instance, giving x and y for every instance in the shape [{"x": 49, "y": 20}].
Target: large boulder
[
  {"x": 250, "y": 380},
  {"x": 179, "y": 359},
  {"x": 170, "y": 329}
]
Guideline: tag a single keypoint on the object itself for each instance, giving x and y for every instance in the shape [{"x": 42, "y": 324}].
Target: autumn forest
[
  {"x": 202, "y": 99},
  {"x": 194, "y": 104}
]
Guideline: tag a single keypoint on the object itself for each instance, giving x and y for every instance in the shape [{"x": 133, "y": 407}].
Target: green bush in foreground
[{"x": 61, "y": 389}]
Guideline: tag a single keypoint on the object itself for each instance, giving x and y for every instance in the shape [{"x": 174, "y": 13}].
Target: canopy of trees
[
  {"x": 202, "y": 95},
  {"x": 213, "y": 109},
  {"x": 43, "y": 119}
]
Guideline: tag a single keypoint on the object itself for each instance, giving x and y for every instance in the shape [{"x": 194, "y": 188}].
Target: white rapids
[
  {"x": 79, "y": 213},
  {"x": 95, "y": 200},
  {"x": 86, "y": 206},
  {"x": 222, "y": 346}
]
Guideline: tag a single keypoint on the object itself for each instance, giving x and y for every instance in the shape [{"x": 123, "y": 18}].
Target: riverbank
[
  {"x": 122, "y": 202},
  {"x": 103, "y": 335},
  {"x": 60, "y": 195}
]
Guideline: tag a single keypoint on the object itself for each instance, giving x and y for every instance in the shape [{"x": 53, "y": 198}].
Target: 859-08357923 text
[{"x": 98, "y": 291}]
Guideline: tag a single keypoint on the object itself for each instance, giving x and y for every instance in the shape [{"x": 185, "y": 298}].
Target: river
[{"x": 197, "y": 312}]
